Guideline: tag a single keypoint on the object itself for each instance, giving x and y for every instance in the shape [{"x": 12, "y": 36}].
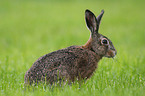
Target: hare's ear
[
  {"x": 99, "y": 17},
  {"x": 91, "y": 21}
]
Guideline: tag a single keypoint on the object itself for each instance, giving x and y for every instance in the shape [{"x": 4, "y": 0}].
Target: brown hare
[{"x": 75, "y": 62}]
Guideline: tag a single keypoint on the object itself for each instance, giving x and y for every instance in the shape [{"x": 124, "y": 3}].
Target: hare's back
[{"x": 70, "y": 56}]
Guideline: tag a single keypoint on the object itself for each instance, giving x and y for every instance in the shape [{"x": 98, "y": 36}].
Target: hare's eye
[{"x": 104, "y": 41}]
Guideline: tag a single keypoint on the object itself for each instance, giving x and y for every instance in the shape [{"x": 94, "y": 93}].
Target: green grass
[{"x": 32, "y": 28}]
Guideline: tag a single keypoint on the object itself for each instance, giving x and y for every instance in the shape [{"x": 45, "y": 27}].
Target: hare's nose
[
  {"x": 115, "y": 52},
  {"x": 113, "y": 49}
]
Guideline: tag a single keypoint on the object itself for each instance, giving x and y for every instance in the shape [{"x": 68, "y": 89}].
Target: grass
[{"x": 32, "y": 28}]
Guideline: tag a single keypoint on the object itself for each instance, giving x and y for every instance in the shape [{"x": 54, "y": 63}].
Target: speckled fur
[
  {"x": 74, "y": 62},
  {"x": 67, "y": 64}
]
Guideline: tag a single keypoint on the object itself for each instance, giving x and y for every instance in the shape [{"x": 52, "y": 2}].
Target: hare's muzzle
[
  {"x": 114, "y": 53},
  {"x": 111, "y": 53}
]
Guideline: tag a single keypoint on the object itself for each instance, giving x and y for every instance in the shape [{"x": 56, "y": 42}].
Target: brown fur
[
  {"x": 88, "y": 44},
  {"x": 69, "y": 64},
  {"x": 75, "y": 62}
]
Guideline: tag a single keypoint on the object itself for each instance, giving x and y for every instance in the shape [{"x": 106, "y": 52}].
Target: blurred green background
[{"x": 32, "y": 28}]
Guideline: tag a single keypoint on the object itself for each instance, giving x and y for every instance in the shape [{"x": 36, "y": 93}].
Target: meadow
[{"x": 32, "y": 28}]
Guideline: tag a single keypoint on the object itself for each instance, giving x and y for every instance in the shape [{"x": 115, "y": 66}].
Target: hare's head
[{"x": 98, "y": 43}]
